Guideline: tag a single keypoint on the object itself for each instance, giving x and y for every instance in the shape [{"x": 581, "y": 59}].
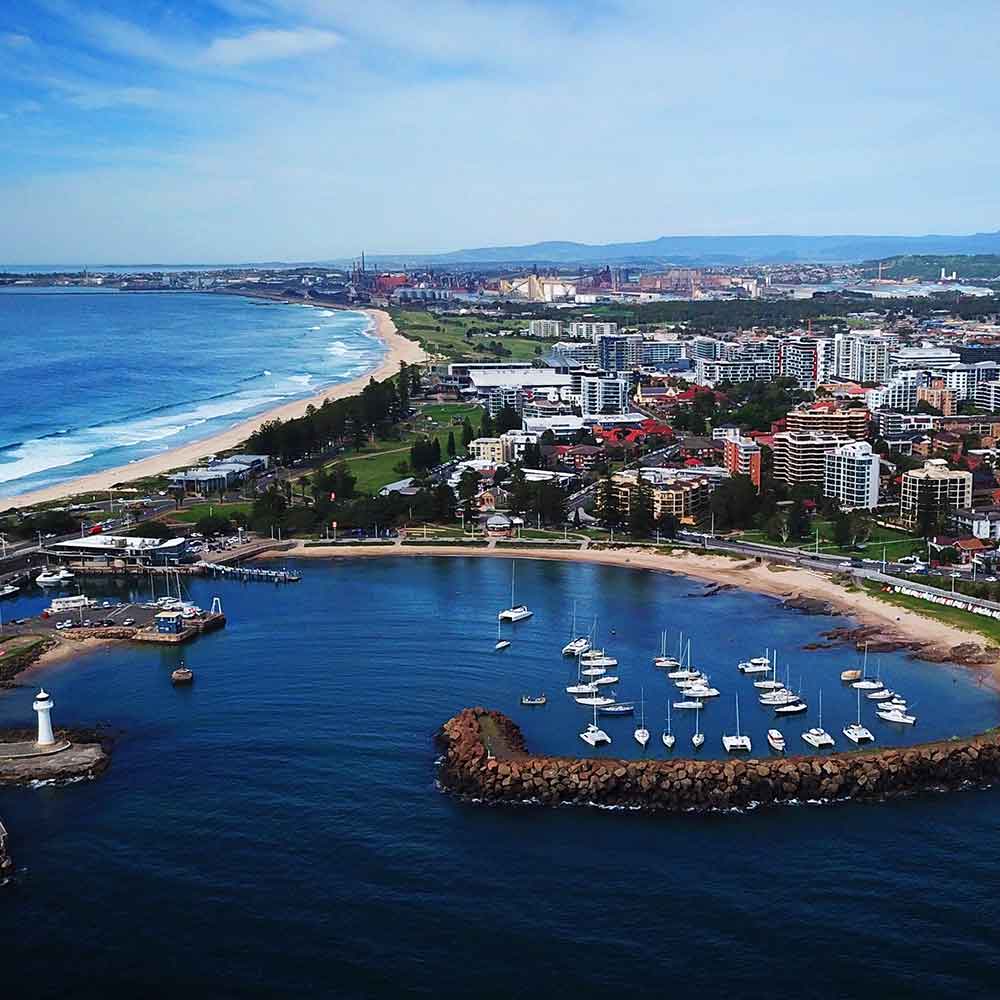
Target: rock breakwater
[{"x": 485, "y": 759}]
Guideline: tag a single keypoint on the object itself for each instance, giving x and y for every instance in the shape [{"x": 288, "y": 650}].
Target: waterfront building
[
  {"x": 120, "y": 550},
  {"x": 933, "y": 491},
  {"x": 546, "y": 328},
  {"x": 828, "y": 417},
  {"x": 682, "y": 497},
  {"x": 800, "y": 457},
  {"x": 741, "y": 457},
  {"x": 851, "y": 476},
  {"x": 43, "y": 705},
  {"x": 600, "y": 395}
]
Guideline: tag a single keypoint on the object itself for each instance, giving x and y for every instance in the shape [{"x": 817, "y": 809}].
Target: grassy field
[
  {"x": 986, "y": 627},
  {"x": 897, "y": 543},
  {"x": 376, "y": 466},
  {"x": 445, "y": 336},
  {"x": 195, "y": 513}
]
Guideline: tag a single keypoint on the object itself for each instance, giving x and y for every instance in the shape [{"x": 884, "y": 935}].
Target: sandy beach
[
  {"x": 892, "y": 623},
  {"x": 399, "y": 347}
]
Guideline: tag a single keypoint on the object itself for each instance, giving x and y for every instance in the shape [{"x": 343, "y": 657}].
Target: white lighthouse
[{"x": 43, "y": 706}]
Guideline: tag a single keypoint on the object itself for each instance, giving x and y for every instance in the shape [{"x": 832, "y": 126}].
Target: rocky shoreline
[
  {"x": 485, "y": 760},
  {"x": 88, "y": 756}
]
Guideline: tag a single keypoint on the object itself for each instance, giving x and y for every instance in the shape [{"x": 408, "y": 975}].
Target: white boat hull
[{"x": 514, "y": 615}]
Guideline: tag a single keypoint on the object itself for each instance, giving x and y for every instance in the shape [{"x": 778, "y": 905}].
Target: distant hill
[
  {"x": 710, "y": 250},
  {"x": 972, "y": 267}
]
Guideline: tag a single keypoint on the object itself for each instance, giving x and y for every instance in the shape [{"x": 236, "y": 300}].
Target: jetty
[{"x": 485, "y": 760}]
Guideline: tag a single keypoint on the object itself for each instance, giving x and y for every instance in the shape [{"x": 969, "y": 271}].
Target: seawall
[{"x": 485, "y": 760}]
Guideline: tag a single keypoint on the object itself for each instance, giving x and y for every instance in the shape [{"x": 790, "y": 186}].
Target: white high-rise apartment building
[
  {"x": 933, "y": 490},
  {"x": 863, "y": 355},
  {"x": 591, "y": 331},
  {"x": 808, "y": 360},
  {"x": 851, "y": 476},
  {"x": 548, "y": 328},
  {"x": 602, "y": 395}
]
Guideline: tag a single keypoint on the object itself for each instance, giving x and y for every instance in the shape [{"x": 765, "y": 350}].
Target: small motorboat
[
  {"x": 688, "y": 704},
  {"x": 882, "y": 694},
  {"x": 182, "y": 675},
  {"x": 791, "y": 709},
  {"x": 755, "y": 665},
  {"x": 65, "y": 574},
  {"x": 48, "y": 578},
  {"x": 849, "y": 676},
  {"x": 775, "y": 740},
  {"x": 531, "y": 699},
  {"x": 617, "y": 708},
  {"x": 605, "y": 680},
  {"x": 896, "y": 715}
]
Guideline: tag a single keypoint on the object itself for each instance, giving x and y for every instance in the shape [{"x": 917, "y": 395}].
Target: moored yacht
[
  {"x": 48, "y": 578},
  {"x": 578, "y": 643},
  {"x": 593, "y": 734},
  {"x": 597, "y": 699},
  {"x": 775, "y": 740},
  {"x": 617, "y": 708},
  {"x": 737, "y": 743},
  {"x": 516, "y": 612},
  {"x": 856, "y": 732},
  {"x": 794, "y": 708},
  {"x": 896, "y": 715},
  {"x": 818, "y": 737},
  {"x": 641, "y": 733}
]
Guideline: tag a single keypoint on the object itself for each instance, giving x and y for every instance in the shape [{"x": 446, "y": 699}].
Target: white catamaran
[
  {"x": 577, "y": 643},
  {"x": 737, "y": 743},
  {"x": 516, "y": 612}
]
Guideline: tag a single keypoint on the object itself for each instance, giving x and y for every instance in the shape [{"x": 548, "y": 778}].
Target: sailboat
[
  {"x": 697, "y": 737},
  {"x": 516, "y": 612},
  {"x": 501, "y": 643},
  {"x": 581, "y": 686},
  {"x": 867, "y": 683},
  {"x": 668, "y": 737},
  {"x": 684, "y": 671},
  {"x": 898, "y": 715},
  {"x": 641, "y": 733},
  {"x": 818, "y": 737},
  {"x": 737, "y": 743},
  {"x": 593, "y": 734},
  {"x": 663, "y": 661},
  {"x": 773, "y": 684},
  {"x": 855, "y": 732},
  {"x": 577, "y": 643}
]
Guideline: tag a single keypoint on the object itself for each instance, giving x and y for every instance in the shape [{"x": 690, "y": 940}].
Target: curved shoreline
[
  {"x": 399, "y": 348},
  {"x": 926, "y": 637}
]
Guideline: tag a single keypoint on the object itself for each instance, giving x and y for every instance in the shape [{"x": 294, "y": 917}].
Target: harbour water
[
  {"x": 276, "y": 829},
  {"x": 96, "y": 379}
]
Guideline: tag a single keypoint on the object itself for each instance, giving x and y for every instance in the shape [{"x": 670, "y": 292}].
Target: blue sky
[{"x": 228, "y": 130}]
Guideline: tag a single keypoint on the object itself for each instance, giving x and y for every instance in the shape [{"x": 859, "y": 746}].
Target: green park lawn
[
  {"x": 195, "y": 513},
  {"x": 987, "y": 627},
  {"x": 897, "y": 543},
  {"x": 445, "y": 335}
]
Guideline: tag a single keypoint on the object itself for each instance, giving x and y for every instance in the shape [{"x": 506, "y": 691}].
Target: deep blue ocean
[
  {"x": 96, "y": 379},
  {"x": 276, "y": 829}
]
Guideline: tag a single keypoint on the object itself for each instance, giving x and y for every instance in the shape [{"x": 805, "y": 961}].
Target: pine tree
[
  {"x": 436, "y": 451},
  {"x": 451, "y": 444},
  {"x": 403, "y": 391},
  {"x": 486, "y": 428},
  {"x": 467, "y": 432}
]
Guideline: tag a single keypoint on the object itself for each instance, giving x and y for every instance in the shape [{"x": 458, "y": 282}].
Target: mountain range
[{"x": 705, "y": 250}]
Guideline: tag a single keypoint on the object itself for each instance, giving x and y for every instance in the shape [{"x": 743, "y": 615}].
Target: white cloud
[
  {"x": 15, "y": 40},
  {"x": 267, "y": 45}
]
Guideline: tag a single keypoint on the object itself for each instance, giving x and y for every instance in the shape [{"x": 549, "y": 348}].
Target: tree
[
  {"x": 842, "y": 530},
  {"x": 798, "y": 521},
  {"x": 486, "y": 428},
  {"x": 777, "y": 527},
  {"x": 507, "y": 420},
  {"x": 468, "y": 434},
  {"x": 607, "y": 503},
  {"x": 451, "y": 444},
  {"x": 210, "y": 526},
  {"x": 403, "y": 390},
  {"x": 668, "y": 525},
  {"x": 640, "y": 509},
  {"x": 153, "y": 529}
]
